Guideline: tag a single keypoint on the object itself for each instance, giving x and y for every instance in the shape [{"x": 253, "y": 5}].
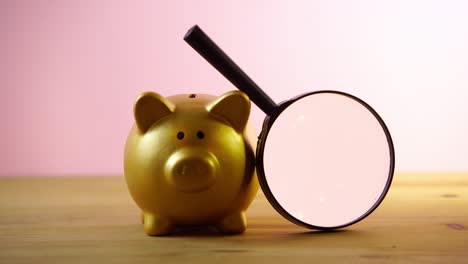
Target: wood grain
[{"x": 424, "y": 219}]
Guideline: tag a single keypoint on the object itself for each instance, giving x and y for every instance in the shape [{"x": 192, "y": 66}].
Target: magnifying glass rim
[{"x": 268, "y": 123}]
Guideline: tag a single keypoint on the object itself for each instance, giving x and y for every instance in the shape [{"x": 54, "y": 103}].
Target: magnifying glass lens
[{"x": 327, "y": 160}]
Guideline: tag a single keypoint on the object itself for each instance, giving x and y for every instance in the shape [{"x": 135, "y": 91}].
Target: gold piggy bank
[{"x": 190, "y": 161}]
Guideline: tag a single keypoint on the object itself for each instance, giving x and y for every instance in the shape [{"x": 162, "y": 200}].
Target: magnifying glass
[{"x": 325, "y": 159}]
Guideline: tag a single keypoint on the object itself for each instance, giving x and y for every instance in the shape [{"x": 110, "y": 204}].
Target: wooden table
[{"x": 424, "y": 219}]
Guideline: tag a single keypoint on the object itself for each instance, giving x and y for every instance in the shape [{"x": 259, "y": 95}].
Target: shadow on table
[{"x": 260, "y": 232}]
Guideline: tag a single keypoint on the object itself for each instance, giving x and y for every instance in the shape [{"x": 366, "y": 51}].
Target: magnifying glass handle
[{"x": 206, "y": 47}]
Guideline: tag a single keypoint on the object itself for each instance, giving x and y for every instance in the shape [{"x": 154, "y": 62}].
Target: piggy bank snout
[{"x": 191, "y": 170}]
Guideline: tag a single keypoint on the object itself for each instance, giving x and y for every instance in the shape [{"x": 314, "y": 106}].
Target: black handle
[{"x": 206, "y": 47}]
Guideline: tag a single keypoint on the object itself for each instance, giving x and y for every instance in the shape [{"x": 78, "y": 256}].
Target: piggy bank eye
[
  {"x": 180, "y": 135},
  {"x": 200, "y": 134}
]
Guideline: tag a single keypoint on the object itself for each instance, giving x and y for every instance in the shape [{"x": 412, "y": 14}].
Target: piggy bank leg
[
  {"x": 155, "y": 225},
  {"x": 235, "y": 223}
]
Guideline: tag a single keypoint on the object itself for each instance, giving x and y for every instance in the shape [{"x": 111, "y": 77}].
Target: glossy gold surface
[{"x": 190, "y": 160}]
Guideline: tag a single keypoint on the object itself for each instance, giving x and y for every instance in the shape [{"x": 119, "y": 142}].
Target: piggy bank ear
[
  {"x": 234, "y": 107},
  {"x": 149, "y": 108}
]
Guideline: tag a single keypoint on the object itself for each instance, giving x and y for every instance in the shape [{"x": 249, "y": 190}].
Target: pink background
[{"x": 70, "y": 71}]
